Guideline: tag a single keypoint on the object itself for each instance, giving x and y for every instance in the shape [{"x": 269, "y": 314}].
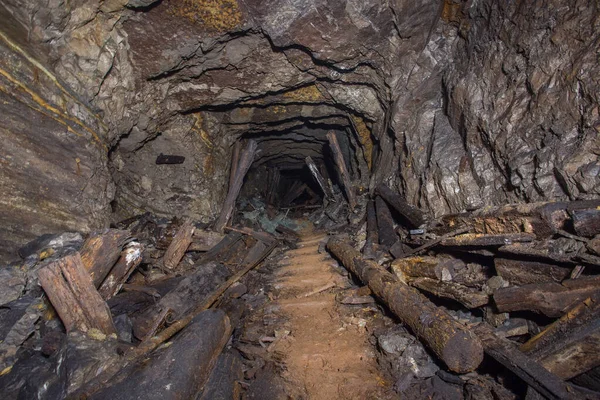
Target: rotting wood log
[
  {"x": 466, "y": 296},
  {"x": 204, "y": 240},
  {"x": 101, "y": 251},
  {"x": 412, "y": 215},
  {"x": 139, "y": 353},
  {"x": 551, "y": 299},
  {"x": 178, "y": 371},
  {"x": 506, "y": 353},
  {"x": 586, "y": 222},
  {"x": 524, "y": 272},
  {"x": 439, "y": 268},
  {"x": 434, "y": 242},
  {"x": 372, "y": 230},
  {"x": 72, "y": 293},
  {"x": 130, "y": 258},
  {"x": 179, "y": 245},
  {"x": 486, "y": 240},
  {"x": 451, "y": 341},
  {"x": 327, "y": 192},
  {"x": 571, "y": 345},
  {"x": 169, "y": 159},
  {"x": 542, "y": 219},
  {"x": 341, "y": 167},
  {"x": 223, "y": 381},
  {"x": 385, "y": 224},
  {"x": 529, "y": 252},
  {"x": 246, "y": 159},
  {"x": 224, "y": 245}
]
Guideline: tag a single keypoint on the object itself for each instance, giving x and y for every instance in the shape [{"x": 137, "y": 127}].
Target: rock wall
[
  {"x": 513, "y": 114},
  {"x": 457, "y": 104},
  {"x": 53, "y": 163}
]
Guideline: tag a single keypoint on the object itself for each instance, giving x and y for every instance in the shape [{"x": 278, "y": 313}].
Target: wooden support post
[
  {"x": 235, "y": 160},
  {"x": 293, "y": 193},
  {"x": 385, "y": 224},
  {"x": 571, "y": 345},
  {"x": 412, "y": 215},
  {"x": 327, "y": 192},
  {"x": 101, "y": 251},
  {"x": 551, "y": 299},
  {"x": 179, "y": 245},
  {"x": 451, "y": 341},
  {"x": 72, "y": 293},
  {"x": 130, "y": 258},
  {"x": 506, "y": 353},
  {"x": 341, "y": 167},
  {"x": 372, "y": 230},
  {"x": 246, "y": 159}
]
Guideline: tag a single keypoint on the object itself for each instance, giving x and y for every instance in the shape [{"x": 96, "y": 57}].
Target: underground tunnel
[{"x": 277, "y": 199}]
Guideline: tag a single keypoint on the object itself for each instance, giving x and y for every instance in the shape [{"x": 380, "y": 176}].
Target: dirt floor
[{"x": 321, "y": 347}]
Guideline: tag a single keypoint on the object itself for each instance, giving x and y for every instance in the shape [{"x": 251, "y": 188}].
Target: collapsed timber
[{"x": 503, "y": 301}]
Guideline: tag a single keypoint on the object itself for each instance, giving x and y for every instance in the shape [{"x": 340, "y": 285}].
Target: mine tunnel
[{"x": 276, "y": 199}]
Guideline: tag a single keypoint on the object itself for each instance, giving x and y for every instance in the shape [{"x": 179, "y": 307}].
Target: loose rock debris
[{"x": 497, "y": 303}]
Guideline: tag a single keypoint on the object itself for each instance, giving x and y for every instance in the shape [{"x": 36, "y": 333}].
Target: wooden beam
[
  {"x": 385, "y": 224},
  {"x": 179, "y": 245},
  {"x": 130, "y": 258},
  {"x": 372, "y": 230},
  {"x": 413, "y": 216},
  {"x": 246, "y": 159},
  {"x": 341, "y": 167},
  {"x": 101, "y": 251}
]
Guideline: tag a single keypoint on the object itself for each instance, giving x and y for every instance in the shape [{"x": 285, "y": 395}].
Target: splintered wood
[{"x": 72, "y": 293}]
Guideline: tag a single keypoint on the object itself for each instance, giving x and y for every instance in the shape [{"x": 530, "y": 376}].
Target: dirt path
[{"x": 326, "y": 352}]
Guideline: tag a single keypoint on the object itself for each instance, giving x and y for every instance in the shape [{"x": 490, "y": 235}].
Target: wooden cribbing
[
  {"x": 451, "y": 341},
  {"x": 72, "y": 293},
  {"x": 246, "y": 159},
  {"x": 341, "y": 167}
]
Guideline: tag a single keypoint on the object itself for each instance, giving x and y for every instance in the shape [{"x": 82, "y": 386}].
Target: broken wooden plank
[
  {"x": 440, "y": 268},
  {"x": 169, "y": 159},
  {"x": 341, "y": 167},
  {"x": 101, "y": 251},
  {"x": 506, "y": 353},
  {"x": 262, "y": 236},
  {"x": 72, "y": 293},
  {"x": 551, "y": 299},
  {"x": 586, "y": 222},
  {"x": 434, "y": 242},
  {"x": 223, "y": 382},
  {"x": 179, "y": 245},
  {"x": 571, "y": 345},
  {"x": 451, "y": 341},
  {"x": 466, "y": 296},
  {"x": 542, "y": 219},
  {"x": 372, "y": 230},
  {"x": 524, "y": 272},
  {"x": 223, "y": 246},
  {"x": 246, "y": 159},
  {"x": 413, "y": 216},
  {"x": 204, "y": 240},
  {"x": 130, "y": 258},
  {"x": 385, "y": 224},
  {"x": 178, "y": 371},
  {"x": 327, "y": 192},
  {"x": 139, "y": 353},
  {"x": 487, "y": 240}
]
